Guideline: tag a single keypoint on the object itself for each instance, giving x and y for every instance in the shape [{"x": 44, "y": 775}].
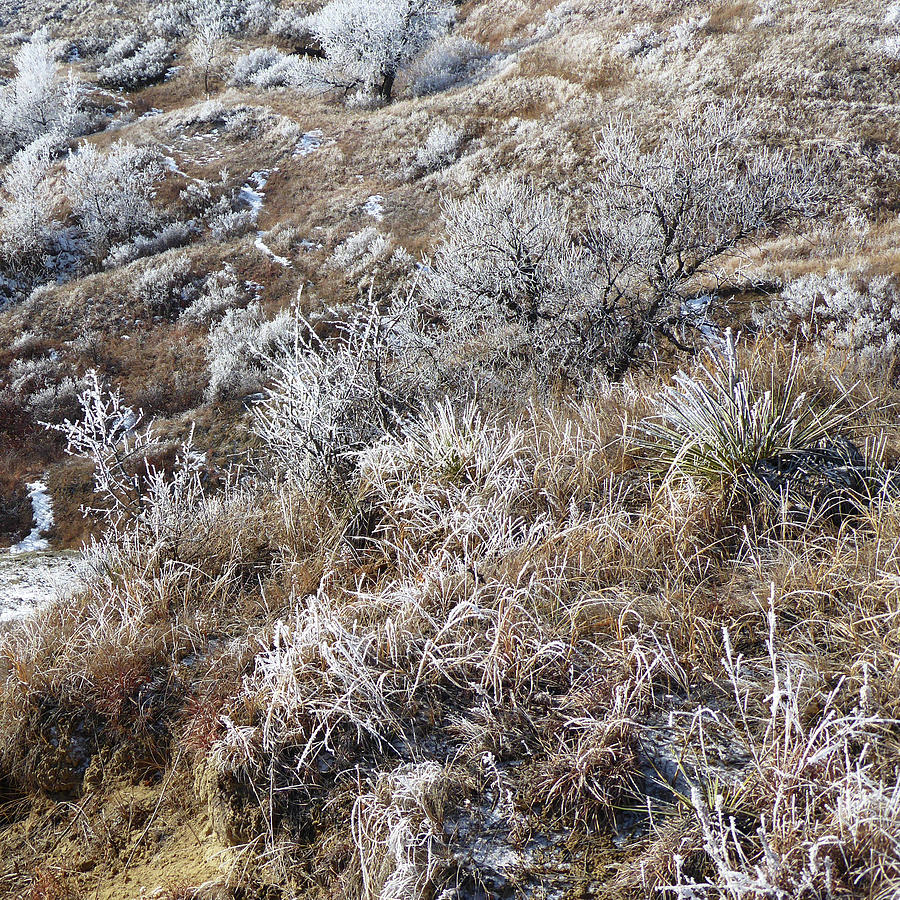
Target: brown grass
[{"x": 583, "y": 684}]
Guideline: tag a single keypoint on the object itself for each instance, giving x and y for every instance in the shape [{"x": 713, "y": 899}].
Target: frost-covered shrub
[
  {"x": 163, "y": 288},
  {"x": 369, "y": 257},
  {"x": 179, "y": 18},
  {"x": 360, "y": 250},
  {"x": 850, "y": 311},
  {"x": 29, "y": 203},
  {"x": 683, "y": 35},
  {"x": 162, "y": 508},
  {"x": 221, "y": 291},
  {"x": 441, "y": 148},
  {"x": 251, "y": 64},
  {"x": 666, "y": 214},
  {"x": 44, "y": 386},
  {"x": 289, "y": 71},
  {"x": 890, "y": 47},
  {"x": 122, "y": 48},
  {"x": 240, "y": 350},
  {"x": 38, "y": 100},
  {"x": 329, "y": 399},
  {"x": 450, "y": 60},
  {"x": 130, "y": 64},
  {"x": 639, "y": 40},
  {"x": 643, "y": 39},
  {"x": 366, "y": 45},
  {"x": 513, "y": 283},
  {"x": 175, "y": 234},
  {"x": 506, "y": 278},
  {"x": 111, "y": 192},
  {"x": 230, "y": 223}
]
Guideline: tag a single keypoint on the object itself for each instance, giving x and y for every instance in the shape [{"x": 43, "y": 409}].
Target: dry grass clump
[
  {"x": 500, "y": 627},
  {"x": 154, "y": 593}
]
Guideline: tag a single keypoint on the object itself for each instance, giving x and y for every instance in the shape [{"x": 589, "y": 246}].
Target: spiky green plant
[{"x": 718, "y": 424}]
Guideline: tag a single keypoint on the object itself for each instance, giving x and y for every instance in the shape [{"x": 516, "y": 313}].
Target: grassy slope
[{"x": 545, "y": 657}]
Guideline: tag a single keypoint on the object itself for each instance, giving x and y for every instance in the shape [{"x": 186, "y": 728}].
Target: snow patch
[
  {"x": 28, "y": 582},
  {"x": 252, "y": 192},
  {"x": 374, "y": 207},
  {"x": 171, "y": 165},
  {"x": 42, "y": 509},
  {"x": 268, "y": 251},
  {"x": 309, "y": 142}
]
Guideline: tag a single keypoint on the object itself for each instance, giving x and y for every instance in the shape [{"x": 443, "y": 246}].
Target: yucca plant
[{"x": 717, "y": 425}]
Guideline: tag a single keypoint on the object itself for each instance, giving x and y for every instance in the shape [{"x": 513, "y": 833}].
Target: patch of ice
[
  {"x": 42, "y": 510},
  {"x": 171, "y": 165},
  {"x": 695, "y": 311},
  {"x": 374, "y": 207},
  {"x": 309, "y": 142}
]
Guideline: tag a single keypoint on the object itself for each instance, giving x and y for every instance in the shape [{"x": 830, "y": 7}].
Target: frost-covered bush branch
[
  {"x": 180, "y": 18},
  {"x": 665, "y": 216},
  {"x": 109, "y": 434},
  {"x": 39, "y": 100},
  {"x": 331, "y": 398},
  {"x": 508, "y": 278},
  {"x": 134, "y": 491}
]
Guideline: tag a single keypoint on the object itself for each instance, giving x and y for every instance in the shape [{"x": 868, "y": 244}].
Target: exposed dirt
[{"x": 122, "y": 841}]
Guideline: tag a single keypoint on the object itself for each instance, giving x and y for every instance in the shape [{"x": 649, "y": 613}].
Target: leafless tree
[
  {"x": 665, "y": 216},
  {"x": 515, "y": 275},
  {"x": 206, "y": 44},
  {"x": 366, "y": 44}
]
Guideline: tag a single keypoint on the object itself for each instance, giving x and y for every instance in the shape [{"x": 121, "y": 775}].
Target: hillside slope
[{"x": 479, "y": 424}]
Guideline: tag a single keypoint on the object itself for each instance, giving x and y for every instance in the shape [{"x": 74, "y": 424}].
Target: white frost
[
  {"x": 374, "y": 207},
  {"x": 28, "y": 582},
  {"x": 309, "y": 142},
  {"x": 42, "y": 509}
]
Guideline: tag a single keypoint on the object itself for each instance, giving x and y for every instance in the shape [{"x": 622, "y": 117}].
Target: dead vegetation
[{"x": 399, "y": 598}]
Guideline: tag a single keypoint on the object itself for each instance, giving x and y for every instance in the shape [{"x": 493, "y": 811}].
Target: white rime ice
[{"x": 42, "y": 508}]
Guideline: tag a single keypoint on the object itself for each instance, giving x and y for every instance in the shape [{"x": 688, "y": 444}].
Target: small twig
[{"x": 152, "y": 818}]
